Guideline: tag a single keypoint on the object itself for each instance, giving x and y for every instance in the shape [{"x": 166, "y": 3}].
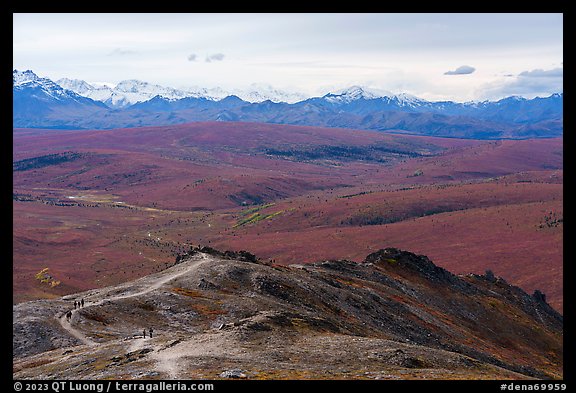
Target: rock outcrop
[{"x": 393, "y": 315}]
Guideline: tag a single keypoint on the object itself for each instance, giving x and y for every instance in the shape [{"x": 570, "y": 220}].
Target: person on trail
[
  {"x": 82, "y": 302},
  {"x": 75, "y": 304},
  {"x": 151, "y": 332},
  {"x": 144, "y": 333},
  {"x": 69, "y": 315}
]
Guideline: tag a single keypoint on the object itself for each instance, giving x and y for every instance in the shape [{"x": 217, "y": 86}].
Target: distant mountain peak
[
  {"x": 76, "y": 85},
  {"x": 513, "y": 98},
  {"x": 133, "y": 85},
  {"x": 28, "y": 79},
  {"x": 355, "y": 92},
  {"x": 21, "y": 77}
]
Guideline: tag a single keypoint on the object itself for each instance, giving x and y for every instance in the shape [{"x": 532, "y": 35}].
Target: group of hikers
[
  {"x": 144, "y": 332},
  {"x": 77, "y": 304},
  {"x": 80, "y": 303}
]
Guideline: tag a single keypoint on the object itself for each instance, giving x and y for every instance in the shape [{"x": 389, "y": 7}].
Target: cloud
[
  {"x": 529, "y": 84},
  {"x": 192, "y": 57},
  {"x": 214, "y": 57},
  {"x": 538, "y": 73},
  {"x": 121, "y": 52},
  {"x": 462, "y": 70}
]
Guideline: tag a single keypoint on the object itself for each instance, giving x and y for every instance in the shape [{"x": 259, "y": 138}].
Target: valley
[{"x": 102, "y": 207}]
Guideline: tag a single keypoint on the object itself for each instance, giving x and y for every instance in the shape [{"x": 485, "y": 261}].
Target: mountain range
[
  {"x": 42, "y": 103},
  {"x": 130, "y": 92}
]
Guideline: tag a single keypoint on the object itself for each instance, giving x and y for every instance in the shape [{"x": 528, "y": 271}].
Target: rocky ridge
[{"x": 215, "y": 314}]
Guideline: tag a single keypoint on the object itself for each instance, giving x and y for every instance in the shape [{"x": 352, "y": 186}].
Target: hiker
[
  {"x": 75, "y": 304},
  {"x": 82, "y": 302},
  {"x": 69, "y": 315},
  {"x": 151, "y": 332},
  {"x": 144, "y": 333}
]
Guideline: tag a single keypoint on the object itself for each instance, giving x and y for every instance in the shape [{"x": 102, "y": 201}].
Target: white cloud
[
  {"x": 530, "y": 84},
  {"x": 121, "y": 52},
  {"x": 214, "y": 57},
  {"x": 462, "y": 70},
  {"x": 539, "y": 73}
]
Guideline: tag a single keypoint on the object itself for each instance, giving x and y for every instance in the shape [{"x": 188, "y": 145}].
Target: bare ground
[{"x": 213, "y": 313}]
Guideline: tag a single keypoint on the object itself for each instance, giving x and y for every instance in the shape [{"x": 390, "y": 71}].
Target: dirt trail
[
  {"x": 172, "y": 360},
  {"x": 179, "y": 270}
]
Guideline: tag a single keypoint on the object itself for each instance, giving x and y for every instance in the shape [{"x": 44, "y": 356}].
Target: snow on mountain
[
  {"x": 354, "y": 93},
  {"x": 125, "y": 93},
  {"x": 76, "y": 85},
  {"x": 139, "y": 91},
  {"x": 259, "y": 92},
  {"x": 100, "y": 93},
  {"x": 210, "y": 93},
  {"x": 132, "y": 91},
  {"x": 39, "y": 102},
  {"x": 22, "y": 77},
  {"x": 28, "y": 79},
  {"x": 406, "y": 99}
]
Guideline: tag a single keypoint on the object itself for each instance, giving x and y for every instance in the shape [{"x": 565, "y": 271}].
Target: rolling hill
[{"x": 135, "y": 198}]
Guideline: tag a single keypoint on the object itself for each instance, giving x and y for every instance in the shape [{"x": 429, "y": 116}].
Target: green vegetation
[
  {"x": 45, "y": 278},
  {"x": 254, "y": 209},
  {"x": 253, "y": 215}
]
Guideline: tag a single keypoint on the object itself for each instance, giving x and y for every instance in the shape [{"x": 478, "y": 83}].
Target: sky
[{"x": 459, "y": 57}]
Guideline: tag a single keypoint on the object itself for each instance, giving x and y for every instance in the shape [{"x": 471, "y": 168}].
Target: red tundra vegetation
[{"x": 102, "y": 207}]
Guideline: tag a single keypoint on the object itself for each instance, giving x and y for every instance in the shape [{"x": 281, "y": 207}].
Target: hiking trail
[{"x": 179, "y": 270}]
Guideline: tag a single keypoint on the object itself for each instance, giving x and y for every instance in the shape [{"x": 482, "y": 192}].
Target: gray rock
[{"x": 235, "y": 373}]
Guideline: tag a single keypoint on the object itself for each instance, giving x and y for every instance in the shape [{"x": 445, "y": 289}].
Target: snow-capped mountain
[
  {"x": 125, "y": 93},
  {"x": 210, "y": 93},
  {"x": 29, "y": 80},
  {"x": 76, "y": 85},
  {"x": 23, "y": 77},
  {"x": 97, "y": 93},
  {"x": 130, "y": 92},
  {"x": 258, "y": 92},
  {"x": 138, "y": 91},
  {"x": 355, "y": 95},
  {"x": 39, "y": 102}
]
